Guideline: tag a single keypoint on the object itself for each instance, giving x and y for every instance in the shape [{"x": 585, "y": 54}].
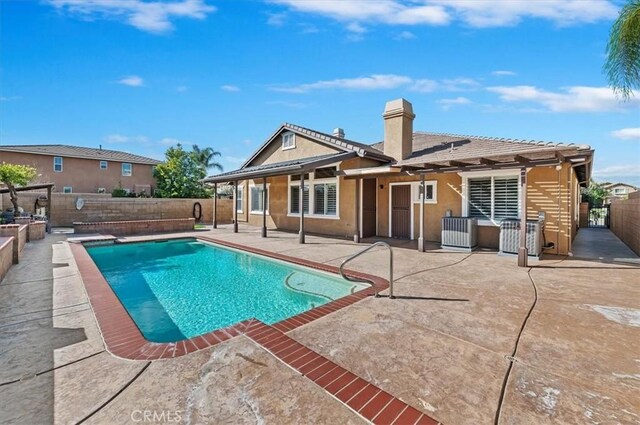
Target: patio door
[
  {"x": 369, "y": 215},
  {"x": 401, "y": 211}
]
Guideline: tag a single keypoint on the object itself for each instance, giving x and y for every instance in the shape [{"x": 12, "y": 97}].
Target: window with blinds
[
  {"x": 505, "y": 195},
  {"x": 240, "y": 198},
  {"x": 295, "y": 199},
  {"x": 325, "y": 199},
  {"x": 256, "y": 199},
  {"x": 493, "y": 198}
]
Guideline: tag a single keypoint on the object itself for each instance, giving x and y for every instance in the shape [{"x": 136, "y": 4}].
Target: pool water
[{"x": 183, "y": 288}]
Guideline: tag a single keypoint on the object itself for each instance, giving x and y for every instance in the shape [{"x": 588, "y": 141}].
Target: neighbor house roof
[
  {"x": 610, "y": 185},
  {"x": 80, "y": 152},
  {"x": 437, "y": 148},
  {"x": 345, "y": 145},
  {"x": 297, "y": 166}
]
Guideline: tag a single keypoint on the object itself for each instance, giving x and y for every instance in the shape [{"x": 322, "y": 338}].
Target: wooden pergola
[{"x": 48, "y": 186}]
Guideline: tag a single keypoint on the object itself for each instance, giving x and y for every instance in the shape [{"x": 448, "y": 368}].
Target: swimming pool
[{"x": 183, "y": 288}]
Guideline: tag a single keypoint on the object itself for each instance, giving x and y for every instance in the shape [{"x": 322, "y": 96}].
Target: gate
[{"x": 599, "y": 216}]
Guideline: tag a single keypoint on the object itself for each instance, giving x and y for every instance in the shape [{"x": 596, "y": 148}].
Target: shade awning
[{"x": 284, "y": 168}]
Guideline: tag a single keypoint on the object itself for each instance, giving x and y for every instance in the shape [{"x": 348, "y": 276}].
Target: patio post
[
  {"x": 421, "y": 198},
  {"x": 356, "y": 233},
  {"x": 235, "y": 207},
  {"x": 215, "y": 205},
  {"x": 523, "y": 254},
  {"x": 301, "y": 233},
  {"x": 264, "y": 207},
  {"x": 49, "y": 216}
]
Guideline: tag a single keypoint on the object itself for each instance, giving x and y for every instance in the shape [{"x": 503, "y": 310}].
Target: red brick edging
[{"x": 122, "y": 337}]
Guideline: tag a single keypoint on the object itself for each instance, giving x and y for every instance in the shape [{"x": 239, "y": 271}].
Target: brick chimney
[{"x": 398, "y": 129}]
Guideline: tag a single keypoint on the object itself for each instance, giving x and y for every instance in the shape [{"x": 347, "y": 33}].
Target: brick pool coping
[{"x": 123, "y": 338}]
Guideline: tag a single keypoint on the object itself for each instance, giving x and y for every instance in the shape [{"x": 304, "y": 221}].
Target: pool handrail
[{"x": 359, "y": 253}]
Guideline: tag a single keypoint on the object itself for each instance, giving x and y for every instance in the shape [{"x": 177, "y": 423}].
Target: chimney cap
[
  {"x": 398, "y": 107},
  {"x": 338, "y": 132}
]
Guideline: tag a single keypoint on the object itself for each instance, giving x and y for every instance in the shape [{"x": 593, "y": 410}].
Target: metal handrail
[{"x": 356, "y": 255}]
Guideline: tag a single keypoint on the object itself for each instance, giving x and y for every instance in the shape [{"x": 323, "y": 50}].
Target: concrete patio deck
[{"x": 560, "y": 336}]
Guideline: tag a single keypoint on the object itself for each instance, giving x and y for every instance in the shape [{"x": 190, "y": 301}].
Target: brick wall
[
  {"x": 36, "y": 230},
  {"x": 14, "y": 231},
  {"x": 99, "y": 207},
  {"x": 137, "y": 227},
  {"x": 625, "y": 220},
  {"x": 6, "y": 255}
]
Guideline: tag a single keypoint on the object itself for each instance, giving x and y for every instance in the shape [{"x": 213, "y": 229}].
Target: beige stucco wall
[
  {"x": 83, "y": 175},
  {"x": 304, "y": 148}
]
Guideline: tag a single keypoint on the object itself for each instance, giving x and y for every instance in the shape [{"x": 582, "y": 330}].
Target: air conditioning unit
[
  {"x": 510, "y": 237},
  {"x": 460, "y": 233}
]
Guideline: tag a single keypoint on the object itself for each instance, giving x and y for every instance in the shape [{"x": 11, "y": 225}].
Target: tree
[
  {"x": 623, "y": 51},
  {"x": 180, "y": 176},
  {"x": 595, "y": 194},
  {"x": 206, "y": 158},
  {"x": 13, "y": 175}
]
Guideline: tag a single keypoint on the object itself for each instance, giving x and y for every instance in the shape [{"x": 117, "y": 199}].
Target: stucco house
[
  {"x": 355, "y": 189},
  {"x": 77, "y": 169},
  {"x": 618, "y": 191}
]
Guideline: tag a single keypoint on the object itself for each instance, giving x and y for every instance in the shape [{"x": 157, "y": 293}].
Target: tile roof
[
  {"x": 279, "y": 168},
  {"x": 346, "y": 145},
  {"x": 442, "y": 147},
  {"x": 80, "y": 152}
]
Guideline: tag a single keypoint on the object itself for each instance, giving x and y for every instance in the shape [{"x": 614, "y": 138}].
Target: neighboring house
[
  {"x": 76, "y": 169},
  {"x": 350, "y": 188},
  {"x": 618, "y": 191}
]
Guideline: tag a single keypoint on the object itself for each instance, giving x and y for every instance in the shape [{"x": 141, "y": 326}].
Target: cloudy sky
[{"x": 142, "y": 75}]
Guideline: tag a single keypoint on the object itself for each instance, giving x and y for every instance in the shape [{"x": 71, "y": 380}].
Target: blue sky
[{"x": 141, "y": 75}]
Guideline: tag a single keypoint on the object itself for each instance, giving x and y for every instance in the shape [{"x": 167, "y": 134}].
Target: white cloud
[
  {"x": 182, "y": 89},
  {"x": 460, "y": 84},
  {"x": 115, "y": 139},
  {"x": 627, "y": 133},
  {"x": 446, "y": 104},
  {"x": 405, "y": 35},
  {"x": 356, "y": 28},
  {"x": 170, "y": 141},
  {"x": 288, "y": 104},
  {"x": 230, "y": 88},
  {"x": 571, "y": 99},
  {"x": 626, "y": 170},
  {"x": 372, "y": 82},
  {"x": 424, "y": 85},
  {"x": 383, "y": 11},
  {"x": 150, "y": 16},
  {"x": 276, "y": 19},
  {"x": 476, "y": 13},
  {"x": 9, "y": 98},
  {"x": 132, "y": 81},
  {"x": 503, "y": 73}
]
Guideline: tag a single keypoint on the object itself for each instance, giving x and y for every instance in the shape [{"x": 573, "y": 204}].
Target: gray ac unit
[
  {"x": 510, "y": 237},
  {"x": 459, "y": 233}
]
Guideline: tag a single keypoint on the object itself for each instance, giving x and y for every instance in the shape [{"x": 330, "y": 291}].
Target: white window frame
[
  {"x": 240, "y": 197},
  {"x": 415, "y": 192},
  {"x": 310, "y": 182},
  {"x": 64, "y": 189},
  {"x": 106, "y": 165},
  {"x": 285, "y": 136},
  {"x": 130, "y": 169},
  {"x": 258, "y": 212},
  {"x": 61, "y": 164},
  {"x": 480, "y": 174}
]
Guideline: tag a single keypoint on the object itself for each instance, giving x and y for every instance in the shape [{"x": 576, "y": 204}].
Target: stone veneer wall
[
  {"x": 6, "y": 255},
  {"x": 136, "y": 227},
  {"x": 625, "y": 220},
  {"x": 102, "y": 207}
]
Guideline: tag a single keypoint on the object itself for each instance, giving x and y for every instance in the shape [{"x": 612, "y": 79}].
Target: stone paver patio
[{"x": 443, "y": 346}]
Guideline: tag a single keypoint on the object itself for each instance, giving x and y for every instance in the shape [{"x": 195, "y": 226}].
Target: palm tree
[
  {"x": 205, "y": 157},
  {"x": 623, "y": 51}
]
